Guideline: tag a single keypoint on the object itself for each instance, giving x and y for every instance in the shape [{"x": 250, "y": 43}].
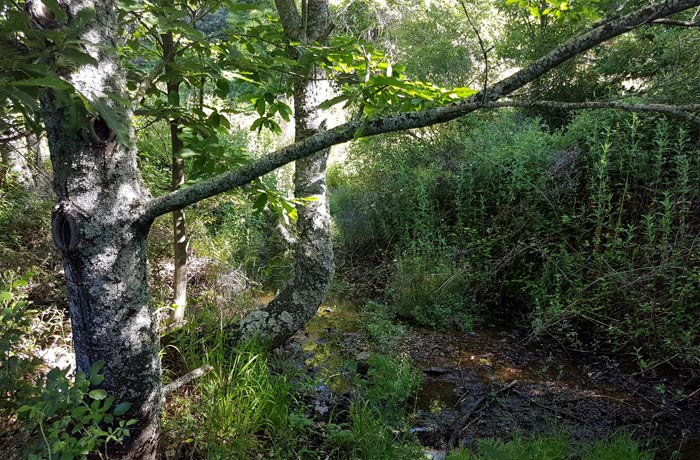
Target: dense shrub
[{"x": 588, "y": 232}]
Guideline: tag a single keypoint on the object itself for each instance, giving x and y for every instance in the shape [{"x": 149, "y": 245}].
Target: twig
[
  {"x": 185, "y": 379},
  {"x": 460, "y": 426},
  {"x": 551, "y": 409},
  {"x": 685, "y": 398},
  {"x": 484, "y": 51}
]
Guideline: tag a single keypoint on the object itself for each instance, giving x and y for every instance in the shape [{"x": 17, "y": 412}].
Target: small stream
[{"x": 590, "y": 401}]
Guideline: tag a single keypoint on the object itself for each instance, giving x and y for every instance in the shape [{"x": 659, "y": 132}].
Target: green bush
[
  {"x": 378, "y": 322},
  {"x": 73, "y": 420},
  {"x": 587, "y": 232},
  {"x": 431, "y": 289},
  {"x": 58, "y": 417},
  {"x": 391, "y": 382},
  {"x": 368, "y": 437}
]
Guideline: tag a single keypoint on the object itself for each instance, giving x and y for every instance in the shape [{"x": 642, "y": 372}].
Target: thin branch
[
  {"x": 484, "y": 51},
  {"x": 460, "y": 426},
  {"x": 348, "y": 131},
  {"x": 551, "y": 409},
  {"x": 185, "y": 379},
  {"x": 681, "y": 112},
  {"x": 145, "y": 84},
  {"x": 674, "y": 23}
]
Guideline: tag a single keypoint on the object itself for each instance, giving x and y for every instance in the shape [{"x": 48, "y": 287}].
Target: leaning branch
[
  {"x": 145, "y": 84},
  {"x": 348, "y": 131}
]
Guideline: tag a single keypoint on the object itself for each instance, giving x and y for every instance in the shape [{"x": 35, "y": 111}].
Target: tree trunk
[
  {"x": 313, "y": 262},
  {"x": 100, "y": 197},
  {"x": 177, "y": 180},
  {"x": 104, "y": 258},
  {"x": 14, "y": 154}
]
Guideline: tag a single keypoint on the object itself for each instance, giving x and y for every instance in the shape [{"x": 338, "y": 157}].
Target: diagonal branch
[
  {"x": 145, "y": 84},
  {"x": 400, "y": 122}
]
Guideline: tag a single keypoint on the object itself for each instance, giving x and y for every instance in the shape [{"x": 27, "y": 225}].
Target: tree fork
[{"x": 313, "y": 261}]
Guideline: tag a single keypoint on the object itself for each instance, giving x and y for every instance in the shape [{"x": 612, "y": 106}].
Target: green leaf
[
  {"x": 55, "y": 9},
  {"x": 260, "y": 106},
  {"x": 96, "y": 367},
  {"x": 96, "y": 379},
  {"x": 24, "y": 98},
  {"x": 121, "y": 409},
  {"x": 333, "y": 101},
  {"x": 186, "y": 153},
  {"x": 113, "y": 120},
  {"x": 257, "y": 124},
  {"x": 44, "y": 82},
  {"x": 98, "y": 394},
  {"x": 79, "y": 57},
  {"x": 260, "y": 202}
]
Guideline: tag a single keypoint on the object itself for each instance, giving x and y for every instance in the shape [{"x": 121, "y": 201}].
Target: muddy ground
[{"x": 494, "y": 383}]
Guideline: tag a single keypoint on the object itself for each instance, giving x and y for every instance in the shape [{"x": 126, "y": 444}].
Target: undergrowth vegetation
[
  {"x": 555, "y": 446},
  {"x": 587, "y": 233},
  {"x": 48, "y": 413},
  {"x": 251, "y": 402}
]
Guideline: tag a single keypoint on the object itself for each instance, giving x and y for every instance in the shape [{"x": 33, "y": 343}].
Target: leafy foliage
[
  {"x": 73, "y": 420},
  {"x": 60, "y": 417},
  {"x": 587, "y": 231}
]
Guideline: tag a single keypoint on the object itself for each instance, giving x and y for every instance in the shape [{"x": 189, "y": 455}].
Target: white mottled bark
[
  {"x": 313, "y": 262},
  {"x": 95, "y": 225}
]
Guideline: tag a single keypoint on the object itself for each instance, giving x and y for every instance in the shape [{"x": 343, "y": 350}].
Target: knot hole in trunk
[{"x": 64, "y": 231}]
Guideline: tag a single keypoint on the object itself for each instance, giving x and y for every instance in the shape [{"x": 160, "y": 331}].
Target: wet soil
[
  {"x": 493, "y": 383},
  {"x": 588, "y": 396}
]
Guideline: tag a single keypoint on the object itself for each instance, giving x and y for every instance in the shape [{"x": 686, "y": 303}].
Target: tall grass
[
  {"x": 555, "y": 445},
  {"x": 239, "y": 408}
]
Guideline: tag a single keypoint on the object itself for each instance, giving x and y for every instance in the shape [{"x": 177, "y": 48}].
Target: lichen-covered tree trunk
[
  {"x": 104, "y": 258},
  {"x": 95, "y": 226},
  {"x": 313, "y": 262}
]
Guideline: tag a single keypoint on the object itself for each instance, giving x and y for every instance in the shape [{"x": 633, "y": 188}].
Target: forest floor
[{"x": 493, "y": 383}]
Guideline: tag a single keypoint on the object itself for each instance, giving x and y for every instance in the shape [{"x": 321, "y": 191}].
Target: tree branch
[
  {"x": 348, "y": 131},
  {"x": 674, "y": 23},
  {"x": 185, "y": 379},
  {"x": 682, "y": 112},
  {"x": 145, "y": 84}
]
